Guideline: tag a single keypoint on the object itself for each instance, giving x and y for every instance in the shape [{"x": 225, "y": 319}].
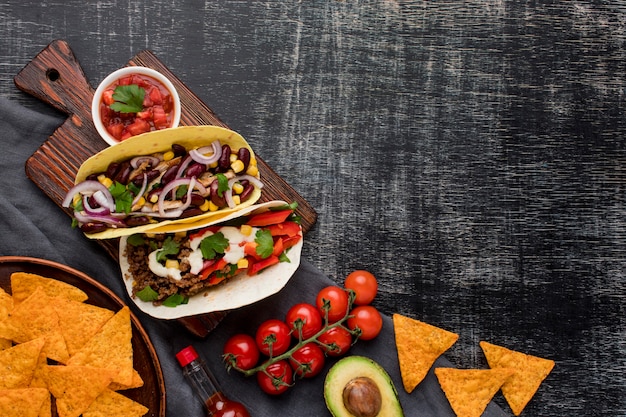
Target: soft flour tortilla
[
  {"x": 235, "y": 292},
  {"x": 161, "y": 141}
]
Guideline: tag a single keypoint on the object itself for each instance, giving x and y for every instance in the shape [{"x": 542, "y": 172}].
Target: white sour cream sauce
[{"x": 233, "y": 253}]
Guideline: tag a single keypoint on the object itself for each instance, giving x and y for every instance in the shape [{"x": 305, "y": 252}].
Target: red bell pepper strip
[
  {"x": 262, "y": 264},
  {"x": 291, "y": 241},
  {"x": 216, "y": 266},
  {"x": 269, "y": 217},
  {"x": 285, "y": 228},
  {"x": 278, "y": 247}
]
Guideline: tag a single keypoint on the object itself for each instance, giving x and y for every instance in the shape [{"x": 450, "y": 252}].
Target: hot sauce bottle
[{"x": 206, "y": 387}]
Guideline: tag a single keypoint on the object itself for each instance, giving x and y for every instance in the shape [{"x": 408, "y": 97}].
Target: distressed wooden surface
[{"x": 470, "y": 154}]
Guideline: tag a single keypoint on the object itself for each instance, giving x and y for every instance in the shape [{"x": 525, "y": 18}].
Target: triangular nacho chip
[
  {"x": 23, "y": 284},
  {"x": 25, "y": 402},
  {"x": 110, "y": 348},
  {"x": 419, "y": 345},
  {"x": 530, "y": 371},
  {"x": 6, "y": 305},
  {"x": 36, "y": 317},
  {"x": 469, "y": 391},
  {"x": 79, "y": 321},
  {"x": 76, "y": 387},
  {"x": 112, "y": 404},
  {"x": 137, "y": 382},
  {"x": 18, "y": 364}
]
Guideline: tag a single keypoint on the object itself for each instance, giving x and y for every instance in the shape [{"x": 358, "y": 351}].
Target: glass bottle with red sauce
[{"x": 206, "y": 388}]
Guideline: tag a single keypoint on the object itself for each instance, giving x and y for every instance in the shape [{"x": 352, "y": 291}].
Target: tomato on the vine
[
  {"x": 338, "y": 340},
  {"x": 338, "y": 302},
  {"x": 368, "y": 319},
  {"x": 242, "y": 348},
  {"x": 310, "y": 317},
  {"x": 364, "y": 285},
  {"x": 276, "y": 379},
  {"x": 308, "y": 361},
  {"x": 273, "y": 337}
]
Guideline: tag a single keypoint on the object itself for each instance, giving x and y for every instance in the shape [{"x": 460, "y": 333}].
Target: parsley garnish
[
  {"x": 170, "y": 247},
  {"x": 128, "y": 98},
  {"x": 147, "y": 294},
  {"x": 212, "y": 245},
  {"x": 175, "y": 300},
  {"x": 222, "y": 184},
  {"x": 136, "y": 239},
  {"x": 265, "y": 243},
  {"x": 123, "y": 198}
]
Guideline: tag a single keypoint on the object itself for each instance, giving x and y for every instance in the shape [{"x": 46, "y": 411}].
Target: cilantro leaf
[
  {"x": 128, "y": 98},
  {"x": 170, "y": 247},
  {"x": 222, "y": 184},
  {"x": 147, "y": 294},
  {"x": 123, "y": 198},
  {"x": 212, "y": 245},
  {"x": 135, "y": 239},
  {"x": 265, "y": 243},
  {"x": 175, "y": 300}
]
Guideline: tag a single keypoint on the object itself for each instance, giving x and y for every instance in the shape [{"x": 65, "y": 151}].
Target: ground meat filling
[{"x": 187, "y": 286}]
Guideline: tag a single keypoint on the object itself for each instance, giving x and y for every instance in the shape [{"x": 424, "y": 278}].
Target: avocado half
[{"x": 357, "y": 386}]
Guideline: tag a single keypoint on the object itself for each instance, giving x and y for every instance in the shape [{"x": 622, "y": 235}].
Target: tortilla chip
[
  {"x": 112, "y": 404},
  {"x": 137, "y": 382},
  {"x": 18, "y": 363},
  {"x": 419, "y": 345},
  {"x": 530, "y": 371},
  {"x": 469, "y": 391},
  {"x": 76, "y": 387},
  {"x": 33, "y": 318},
  {"x": 79, "y": 322},
  {"x": 39, "y": 374},
  {"x": 110, "y": 348},
  {"x": 6, "y": 305},
  {"x": 23, "y": 284},
  {"x": 25, "y": 402}
]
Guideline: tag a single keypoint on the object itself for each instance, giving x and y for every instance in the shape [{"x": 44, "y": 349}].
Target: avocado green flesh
[{"x": 350, "y": 367}]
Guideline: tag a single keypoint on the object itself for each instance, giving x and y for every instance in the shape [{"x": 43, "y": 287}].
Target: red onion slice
[
  {"x": 88, "y": 187},
  {"x": 138, "y": 160},
  {"x": 171, "y": 186},
  {"x": 144, "y": 185},
  {"x": 83, "y": 218},
  {"x": 228, "y": 194},
  {"x": 198, "y": 155}
]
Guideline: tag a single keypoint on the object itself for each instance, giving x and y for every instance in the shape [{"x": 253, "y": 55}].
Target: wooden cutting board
[{"x": 56, "y": 77}]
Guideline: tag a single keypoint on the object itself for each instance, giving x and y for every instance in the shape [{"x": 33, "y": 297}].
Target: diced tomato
[
  {"x": 159, "y": 117},
  {"x": 269, "y": 218},
  {"x": 146, "y": 115},
  {"x": 278, "y": 247},
  {"x": 216, "y": 266},
  {"x": 138, "y": 127},
  {"x": 116, "y": 130},
  {"x": 126, "y": 80},
  {"x": 288, "y": 228},
  {"x": 214, "y": 279},
  {"x": 262, "y": 264},
  {"x": 290, "y": 241},
  {"x": 107, "y": 97},
  {"x": 126, "y": 135},
  {"x": 156, "y": 96}
]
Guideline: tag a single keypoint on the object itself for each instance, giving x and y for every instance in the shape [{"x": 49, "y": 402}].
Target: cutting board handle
[{"x": 55, "y": 77}]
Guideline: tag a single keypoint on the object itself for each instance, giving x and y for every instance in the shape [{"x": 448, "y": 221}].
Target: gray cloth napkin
[{"x": 32, "y": 225}]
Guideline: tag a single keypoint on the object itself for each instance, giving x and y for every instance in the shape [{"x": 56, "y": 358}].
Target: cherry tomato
[
  {"x": 273, "y": 335},
  {"x": 368, "y": 319},
  {"x": 308, "y": 361},
  {"x": 338, "y": 299},
  {"x": 243, "y": 349},
  {"x": 363, "y": 284},
  {"x": 310, "y": 317},
  {"x": 338, "y": 339},
  {"x": 279, "y": 379}
]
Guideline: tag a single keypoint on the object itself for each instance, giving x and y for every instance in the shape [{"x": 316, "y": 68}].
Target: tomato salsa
[{"x": 157, "y": 109}]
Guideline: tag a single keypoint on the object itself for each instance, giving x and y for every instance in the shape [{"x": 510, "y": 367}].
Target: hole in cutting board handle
[{"x": 53, "y": 74}]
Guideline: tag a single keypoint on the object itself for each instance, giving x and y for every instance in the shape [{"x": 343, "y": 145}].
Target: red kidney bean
[
  {"x": 196, "y": 200},
  {"x": 123, "y": 173},
  {"x": 215, "y": 198},
  {"x": 246, "y": 193},
  {"x": 224, "y": 161},
  {"x": 243, "y": 154},
  {"x": 150, "y": 176},
  {"x": 195, "y": 170},
  {"x": 133, "y": 221},
  {"x": 170, "y": 174},
  {"x": 92, "y": 177},
  {"x": 190, "y": 212},
  {"x": 112, "y": 170},
  {"x": 93, "y": 227},
  {"x": 179, "y": 150}
]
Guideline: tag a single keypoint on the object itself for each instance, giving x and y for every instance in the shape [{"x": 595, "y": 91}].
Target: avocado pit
[{"x": 362, "y": 398}]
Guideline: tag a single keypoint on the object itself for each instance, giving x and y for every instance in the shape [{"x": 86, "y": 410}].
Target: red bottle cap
[{"x": 186, "y": 356}]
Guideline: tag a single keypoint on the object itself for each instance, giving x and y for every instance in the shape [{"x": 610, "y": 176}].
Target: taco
[
  {"x": 167, "y": 180},
  {"x": 214, "y": 268}
]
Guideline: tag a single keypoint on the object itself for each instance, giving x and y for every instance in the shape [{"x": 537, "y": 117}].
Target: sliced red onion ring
[
  {"x": 82, "y": 218},
  {"x": 171, "y": 186},
  {"x": 138, "y": 160},
  {"x": 144, "y": 185},
  {"x": 228, "y": 194},
  {"x": 198, "y": 155},
  {"x": 183, "y": 166},
  {"x": 88, "y": 187},
  {"x": 94, "y": 210},
  {"x": 104, "y": 201}
]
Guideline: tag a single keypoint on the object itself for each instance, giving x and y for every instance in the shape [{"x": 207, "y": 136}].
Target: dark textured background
[{"x": 470, "y": 154}]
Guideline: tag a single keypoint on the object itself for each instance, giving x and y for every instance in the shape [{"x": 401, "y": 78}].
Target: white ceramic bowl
[{"x": 95, "y": 104}]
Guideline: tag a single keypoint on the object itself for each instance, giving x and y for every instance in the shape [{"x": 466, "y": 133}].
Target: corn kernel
[
  {"x": 236, "y": 200},
  {"x": 213, "y": 207},
  {"x": 168, "y": 156},
  {"x": 140, "y": 203},
  {"x": 154, "y": 198},
  {"x": 237, "y": 188},
  {"x": 252, "y": 170},
  {"x": 172, "y": 263},
  {"x": 104, "y": 180},
  {"x": 232, "y": 157},
  {"x": 253, "y": 161},
  {"x": 242, "y": 263},
  {"x": 245, "y": 229},
  {"x": 77, "y": 198},
  {"x": 150, "y": 235},
  {"x": 237, "y": 166},
  {"x": 205, "y": 206},
  {"x": 213, "y": 165}
]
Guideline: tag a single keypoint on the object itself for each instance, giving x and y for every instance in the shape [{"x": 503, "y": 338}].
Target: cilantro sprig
[
  {"x": 128, "y": 98},
  {"x": 213, "y": 244}
]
